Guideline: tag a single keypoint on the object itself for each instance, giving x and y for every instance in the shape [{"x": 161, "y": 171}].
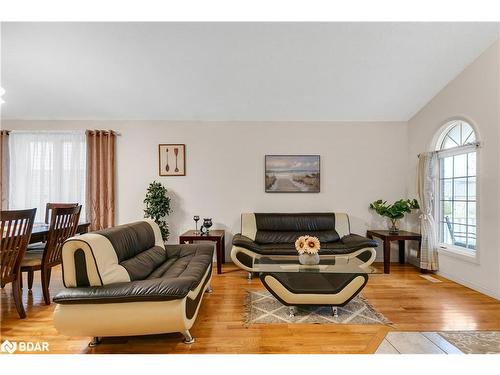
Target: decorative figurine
[
  {"x": 196, "y": 218},
  {"x": 207, "y": 223}
]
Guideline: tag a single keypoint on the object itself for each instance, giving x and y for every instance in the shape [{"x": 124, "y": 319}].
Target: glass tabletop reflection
[{"x": 340, "y": 264}]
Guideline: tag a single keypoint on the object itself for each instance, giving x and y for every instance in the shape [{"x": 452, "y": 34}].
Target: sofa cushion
[
  {"x": 128, "y": 240},
  {"x": 134, "y": 291},
  {"x": 245, "y": 242},
  {"x": 289, "y": 249},
  {"x": 272, "y": 237},
  {"x": 143, "y": 264},
  {"x": 295, "y": 222},
  {"x": 274, "y": 228},
  {"x": 346, "y": 245},
  {"x": 189, "y": 260},
  {"x": 181, "y": 272},
  {"x": 355, "y": 241}
]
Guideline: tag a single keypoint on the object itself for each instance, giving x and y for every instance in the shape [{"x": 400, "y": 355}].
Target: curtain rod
[
  {"x": 476, "y": 144},
  {"x": 104, "y": 130},
  {"x": 59, "y": 131}
]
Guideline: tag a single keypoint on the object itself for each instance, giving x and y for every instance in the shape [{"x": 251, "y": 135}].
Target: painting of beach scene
[{"x": 292, "y": 173}]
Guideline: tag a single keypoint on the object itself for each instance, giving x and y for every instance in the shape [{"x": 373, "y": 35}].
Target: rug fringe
[
  {"x": 247, "y": 309},
  {"x": 379, "y": 315}
]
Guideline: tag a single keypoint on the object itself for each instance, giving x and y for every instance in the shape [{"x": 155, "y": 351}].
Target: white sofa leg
[
  {"x": 249, "y": 276},
  {"x": 188, "y": 339},
  {"x": 94, "y": 342},
  {"x": 209, "y": 289}
]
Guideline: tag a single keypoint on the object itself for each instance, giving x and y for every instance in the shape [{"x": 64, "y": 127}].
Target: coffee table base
[{"x": 295, "y": 289}]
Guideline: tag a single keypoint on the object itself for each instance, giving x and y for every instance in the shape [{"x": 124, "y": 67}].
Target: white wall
[
  {"x": 360, "y": 162},
  {"x": 473, "y": 95}
]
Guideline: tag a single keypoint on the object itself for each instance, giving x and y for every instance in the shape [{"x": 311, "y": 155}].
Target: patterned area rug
[
  {"x": 474, "y": 342},
  {"x": 262, "y": 307}
]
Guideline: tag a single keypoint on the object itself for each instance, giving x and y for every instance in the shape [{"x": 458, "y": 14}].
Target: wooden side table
[
  {"x": 387, "y": 238},
  {"x": 216, "y": 235}
]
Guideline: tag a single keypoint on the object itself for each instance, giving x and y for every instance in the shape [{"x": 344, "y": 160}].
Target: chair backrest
[
  {"x": 63, "y": 225},
  {"x": 16, "y": 227},
  {"x": 50, "y": 206}
]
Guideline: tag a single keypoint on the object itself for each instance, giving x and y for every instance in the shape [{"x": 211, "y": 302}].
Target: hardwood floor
[{"x": 408, "y": 300}]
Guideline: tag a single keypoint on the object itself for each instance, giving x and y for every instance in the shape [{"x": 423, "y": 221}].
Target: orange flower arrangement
[{"x": 307, "y": 245}]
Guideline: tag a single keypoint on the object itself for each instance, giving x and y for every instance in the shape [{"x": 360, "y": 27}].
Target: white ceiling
[{"x": 232, "y": 71}]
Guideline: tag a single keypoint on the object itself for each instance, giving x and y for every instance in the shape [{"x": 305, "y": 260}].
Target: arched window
[
  {"x": 457, "y": 133},
  {"x": 456, "y": 148}
]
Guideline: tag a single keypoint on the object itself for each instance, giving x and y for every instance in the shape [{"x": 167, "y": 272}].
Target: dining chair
[
  {"x": 63, "y": 225},
  {"x": 50, "y": 206},
  {"x": 39, "y": 246},
  {"x": 16, "y": 227}
]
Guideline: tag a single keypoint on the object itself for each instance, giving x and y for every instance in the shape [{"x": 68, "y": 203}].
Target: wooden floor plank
[{"x": 409, "y": 301}]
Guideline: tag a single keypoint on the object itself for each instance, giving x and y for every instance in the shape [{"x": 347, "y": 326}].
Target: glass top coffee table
[
  {"x": 291, "y": 264},
  {"x": 333, "y": 282}
]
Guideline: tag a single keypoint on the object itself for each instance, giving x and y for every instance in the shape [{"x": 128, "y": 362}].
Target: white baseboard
[{"x": 478, "y": 288}]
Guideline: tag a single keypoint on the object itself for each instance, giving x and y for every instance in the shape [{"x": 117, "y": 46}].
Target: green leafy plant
[
  {"x": 158, "y": 206},
  {"x": 394, "y": 211}
]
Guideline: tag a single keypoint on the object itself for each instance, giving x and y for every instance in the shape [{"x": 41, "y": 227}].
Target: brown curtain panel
[
  {"x": 100, "y": 200},
  {"x": 4, "y": 168}
]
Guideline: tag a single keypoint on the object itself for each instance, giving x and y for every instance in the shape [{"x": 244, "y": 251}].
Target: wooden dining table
[{"x": 41, "y": 231}]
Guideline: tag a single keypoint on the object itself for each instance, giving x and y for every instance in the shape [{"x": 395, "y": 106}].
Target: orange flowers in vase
[{"x": 308, "y": 248}]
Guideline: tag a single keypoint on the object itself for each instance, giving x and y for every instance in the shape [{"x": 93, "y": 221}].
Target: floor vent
[{"x": 431, "y": 279}]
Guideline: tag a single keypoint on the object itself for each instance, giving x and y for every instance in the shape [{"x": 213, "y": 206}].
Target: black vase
[{"x": 207, "y": 223}]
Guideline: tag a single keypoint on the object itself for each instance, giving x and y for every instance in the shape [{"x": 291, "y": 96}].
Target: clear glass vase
[
  {"x": 394, "y": 227},
  {"x": 309, "y": 259}
]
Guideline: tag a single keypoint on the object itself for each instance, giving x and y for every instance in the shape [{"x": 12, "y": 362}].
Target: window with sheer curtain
[{"x": 46, "y": 167}]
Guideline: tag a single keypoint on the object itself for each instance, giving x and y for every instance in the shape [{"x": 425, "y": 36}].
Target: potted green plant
[
  {"x": 158, "y": 206},
  {"x": 395, "y": 211}
]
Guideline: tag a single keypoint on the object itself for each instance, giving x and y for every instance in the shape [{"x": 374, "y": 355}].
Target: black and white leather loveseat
[
  {"x": 274, "y": 234},
  {"x": 124, "y": 281}
]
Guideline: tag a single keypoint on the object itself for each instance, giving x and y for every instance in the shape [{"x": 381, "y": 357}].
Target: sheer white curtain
[
  {"x": 46, "y": 167},
  {"x": 426, "y": 174}
]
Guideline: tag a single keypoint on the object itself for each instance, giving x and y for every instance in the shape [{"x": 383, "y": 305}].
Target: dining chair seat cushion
[{"x": 32, "y": 259}]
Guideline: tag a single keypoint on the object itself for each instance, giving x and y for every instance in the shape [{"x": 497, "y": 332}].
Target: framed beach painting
[
  {"x": 292, "y": 173},
  {"x": 172, "y": 159}
]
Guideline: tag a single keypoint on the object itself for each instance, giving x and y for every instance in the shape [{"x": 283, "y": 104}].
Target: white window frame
[{"x": 462, "y": 253}]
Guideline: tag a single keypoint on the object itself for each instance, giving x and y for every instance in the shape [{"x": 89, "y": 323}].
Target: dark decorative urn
[{"x": 207, "y": 223}]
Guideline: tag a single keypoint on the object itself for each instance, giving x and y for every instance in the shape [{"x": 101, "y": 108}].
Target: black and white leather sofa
[
  {"x": 274, "y": 234},
  {"x": 124, "y": 281}
]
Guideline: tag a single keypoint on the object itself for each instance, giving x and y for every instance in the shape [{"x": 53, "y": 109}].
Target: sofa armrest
[
  {"x": 245, "y": 242},
  {"x": 140, "y": 290},
  {"x": 355, "y": 241}
]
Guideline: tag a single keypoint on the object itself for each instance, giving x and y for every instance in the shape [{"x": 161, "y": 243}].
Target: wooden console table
[
  {"x": 218, "y": 236},
  {"x": 387, "y": 238}
]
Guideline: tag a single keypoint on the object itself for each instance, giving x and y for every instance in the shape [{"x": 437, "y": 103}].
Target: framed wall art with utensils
[{"x": 172, "y": 159}]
